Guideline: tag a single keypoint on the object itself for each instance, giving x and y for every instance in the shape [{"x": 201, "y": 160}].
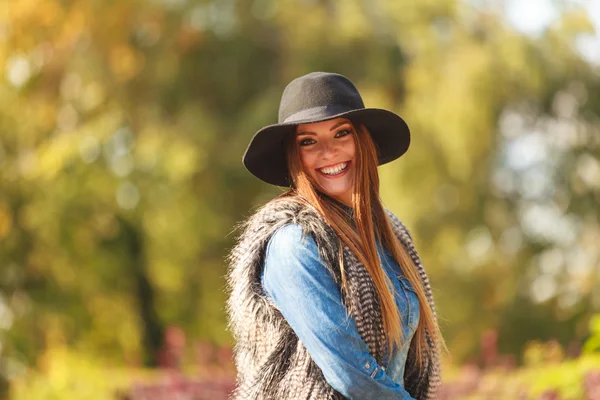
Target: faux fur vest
[{"x": 272, "y": 364}]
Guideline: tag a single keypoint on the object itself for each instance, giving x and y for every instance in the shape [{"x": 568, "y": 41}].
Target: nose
[{"x": 329, "y": 149}]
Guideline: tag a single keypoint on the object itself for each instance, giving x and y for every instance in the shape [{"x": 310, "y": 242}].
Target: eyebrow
[{"x": 330, "y": 129}]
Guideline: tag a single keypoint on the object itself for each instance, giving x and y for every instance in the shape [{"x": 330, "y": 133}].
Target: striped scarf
[{"x": 271, "y": 362}]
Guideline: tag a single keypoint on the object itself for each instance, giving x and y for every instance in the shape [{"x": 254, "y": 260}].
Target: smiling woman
[
  {"x": 328, "y": 297},
  {"x": 326, "y": 151}
]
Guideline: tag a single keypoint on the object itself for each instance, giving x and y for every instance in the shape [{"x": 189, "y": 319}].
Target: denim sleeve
[{"x": 310, "y": 301}]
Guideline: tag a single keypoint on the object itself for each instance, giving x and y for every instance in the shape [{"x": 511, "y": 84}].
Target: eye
[
  {"x": 343, "y": 132},
  {"x": 305, "y": 142}
]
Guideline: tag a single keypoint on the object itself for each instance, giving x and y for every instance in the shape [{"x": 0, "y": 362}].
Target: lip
[
  {"x": 331, "y": 165},
  {"x": 335, "y": 176}
]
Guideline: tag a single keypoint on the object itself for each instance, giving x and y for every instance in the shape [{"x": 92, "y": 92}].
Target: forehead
[{"x": 323, "y": 126}]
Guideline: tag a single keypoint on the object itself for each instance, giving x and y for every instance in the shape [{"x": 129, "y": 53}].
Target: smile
[{"x": 335, "y": 170}]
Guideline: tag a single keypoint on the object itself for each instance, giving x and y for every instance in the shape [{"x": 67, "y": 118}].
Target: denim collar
[{"x": 346, "y": 208}]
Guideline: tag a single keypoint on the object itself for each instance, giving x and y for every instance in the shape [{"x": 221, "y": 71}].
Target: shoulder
[
  {"x": 392, "y": 217},
  {"x": 283, "y": 211},
  {"x": 295, "y": 250},
  {"x": 292, "y": 261},
  {"x": 267, "y": 219},
  {"x": 398, "y": 226},
  {"x": 276, "y": 213},
  {"x": 291, "y": 240}
]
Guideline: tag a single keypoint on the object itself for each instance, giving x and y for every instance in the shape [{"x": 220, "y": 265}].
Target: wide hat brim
[{"x": 265, "y": 155}]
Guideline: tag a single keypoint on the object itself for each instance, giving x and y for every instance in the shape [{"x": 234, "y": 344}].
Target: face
[{"x": 327, "y": 153}]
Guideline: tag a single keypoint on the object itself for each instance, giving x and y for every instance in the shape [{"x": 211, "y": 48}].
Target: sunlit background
[{"x": 122, "y": 126}]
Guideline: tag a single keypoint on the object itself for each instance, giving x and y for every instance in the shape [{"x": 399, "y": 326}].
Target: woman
[{"x": 328, "y": 297}]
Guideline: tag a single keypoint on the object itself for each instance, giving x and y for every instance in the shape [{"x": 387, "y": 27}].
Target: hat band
[{"x": 320, "y": 112}]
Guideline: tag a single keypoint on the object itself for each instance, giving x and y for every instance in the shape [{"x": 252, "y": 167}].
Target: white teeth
[{"x": 336, "y": 169}]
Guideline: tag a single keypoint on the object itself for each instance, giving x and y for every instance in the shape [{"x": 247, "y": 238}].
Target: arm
[{"x": 310, "y": 301}]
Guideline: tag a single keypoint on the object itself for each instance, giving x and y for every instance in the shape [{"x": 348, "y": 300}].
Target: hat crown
[{"x": 318, "y": 89}]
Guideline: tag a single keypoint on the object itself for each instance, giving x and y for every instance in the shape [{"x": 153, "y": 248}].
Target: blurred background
[{"x": 122, "y": 126}]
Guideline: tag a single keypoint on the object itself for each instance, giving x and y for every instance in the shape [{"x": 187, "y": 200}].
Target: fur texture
[{"x": 271, "y": 362}]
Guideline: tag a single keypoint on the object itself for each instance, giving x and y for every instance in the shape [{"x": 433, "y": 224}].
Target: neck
[
  {"x": 346, "y": 200},
  {"x": 343, "y": 204}
]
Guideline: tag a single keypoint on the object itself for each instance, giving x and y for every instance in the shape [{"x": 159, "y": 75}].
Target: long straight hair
[{"x": 371, "y": 223}]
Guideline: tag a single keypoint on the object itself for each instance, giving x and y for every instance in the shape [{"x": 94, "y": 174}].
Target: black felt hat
[{"x": 316, "y": 97}]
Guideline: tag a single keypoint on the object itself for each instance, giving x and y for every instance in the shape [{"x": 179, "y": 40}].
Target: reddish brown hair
[{"x": 371, "y": 223}]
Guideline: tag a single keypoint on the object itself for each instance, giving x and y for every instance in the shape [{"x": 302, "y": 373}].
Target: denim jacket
[{"x": 308, "y": 298}]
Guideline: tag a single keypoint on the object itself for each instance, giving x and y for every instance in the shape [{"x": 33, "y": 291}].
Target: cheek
[
  {"x": 308, "y": 161},
  {"x": 350, "y": 147}
]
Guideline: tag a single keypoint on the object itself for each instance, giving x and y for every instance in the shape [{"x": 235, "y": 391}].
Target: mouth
[{"x": 336, "y": 170}]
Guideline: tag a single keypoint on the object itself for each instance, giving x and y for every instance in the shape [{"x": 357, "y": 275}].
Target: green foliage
[
  {"x": 66, "y": 375},
  {"x": 592, "y": 344},
  {"x": 122, "y": 125},
  {"x": 566, "y": 379}
]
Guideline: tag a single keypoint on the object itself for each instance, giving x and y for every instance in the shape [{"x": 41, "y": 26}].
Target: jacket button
[{"x": 367, "y": 365}]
